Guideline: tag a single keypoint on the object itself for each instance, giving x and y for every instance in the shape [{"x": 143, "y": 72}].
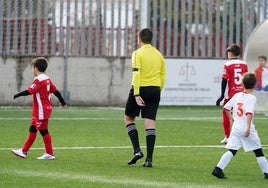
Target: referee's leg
[
  {"x": 131, "y": 111},
  {"x": 150, "y": 140}
]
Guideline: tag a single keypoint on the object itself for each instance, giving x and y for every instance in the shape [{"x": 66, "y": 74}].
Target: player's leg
[
  {"x": 47, "y": 141},
  {"x": 226, "y": 126},
  {"x": 224, "y": 161},
  {"x": 233, "y": 146},
  {"x": 253, "y": 143},
  {"x": 30, "y": 139},
  {"x": 28, "y": 143},
  {"x": 226, "y": 158},
  {"x": 262, "y": 161},
  {"x": 43, "y": 129},
  {"x": 131, "y": 111},
  {"x": 48, "y": 145}
]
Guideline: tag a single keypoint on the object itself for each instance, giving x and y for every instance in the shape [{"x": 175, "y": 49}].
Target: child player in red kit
[
  {"x": 234, "y": 69},
  {"x": 41, "y": 90}
]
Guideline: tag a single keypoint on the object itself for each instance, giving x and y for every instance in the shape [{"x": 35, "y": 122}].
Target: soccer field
[{"x": 92, "y": 149}]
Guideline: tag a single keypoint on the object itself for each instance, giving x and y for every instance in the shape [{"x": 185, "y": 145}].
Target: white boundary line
[
  {"x": 111, "y": 118},
  {"x": 125, "y": 182},
  {"x": 127, "y": 147},
  {"x": 75, "y": 119}
]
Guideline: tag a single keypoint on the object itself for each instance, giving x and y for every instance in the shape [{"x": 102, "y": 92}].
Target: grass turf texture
[{"x": 92, "y": 149}]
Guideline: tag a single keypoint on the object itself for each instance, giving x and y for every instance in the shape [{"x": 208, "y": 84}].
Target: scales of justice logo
[{"x": 187, "y": 71}]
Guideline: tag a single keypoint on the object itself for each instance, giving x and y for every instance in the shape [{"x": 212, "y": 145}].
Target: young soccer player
[
  {"x": 41, "y": 89},
  {"x": 148, "y": 78},
  {"x": 259, "y": 72},
  {"x": 243, "y": 132},
  {"x": 231, "y": 83}
]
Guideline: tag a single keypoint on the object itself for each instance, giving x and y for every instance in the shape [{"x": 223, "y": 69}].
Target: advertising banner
[{"x": 192, "y": 82}]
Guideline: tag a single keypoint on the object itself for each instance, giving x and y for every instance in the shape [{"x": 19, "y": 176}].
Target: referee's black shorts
[{"x": 151, "y": 97}]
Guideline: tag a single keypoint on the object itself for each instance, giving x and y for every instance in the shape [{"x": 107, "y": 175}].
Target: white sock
[
  {"x": 263, "y": 164},
  {"x": 225, "y": 159}
]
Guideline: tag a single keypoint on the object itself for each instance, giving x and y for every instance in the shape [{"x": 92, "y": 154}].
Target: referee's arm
[{"x": 136, "y": 74}]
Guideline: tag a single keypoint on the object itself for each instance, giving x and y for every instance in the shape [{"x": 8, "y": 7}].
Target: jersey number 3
[{"x": 240, "y": 109}]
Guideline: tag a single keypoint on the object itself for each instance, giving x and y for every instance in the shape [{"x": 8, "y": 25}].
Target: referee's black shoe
[
  {"x": 148, "y": 163},
  {"x": 218, "y": 173},
  {"x": 135, "y": 157},
  {"x": 265, "y": 176}
]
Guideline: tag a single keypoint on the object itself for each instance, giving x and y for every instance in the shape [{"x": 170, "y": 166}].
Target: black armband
[
  {"x": 58, "y": 95},
  {"x": 23, "y": 93},
  {"x": 135, "y": 69}
]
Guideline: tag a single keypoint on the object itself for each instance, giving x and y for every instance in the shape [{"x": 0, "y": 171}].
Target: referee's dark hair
[{"x": 146, "y": 36}]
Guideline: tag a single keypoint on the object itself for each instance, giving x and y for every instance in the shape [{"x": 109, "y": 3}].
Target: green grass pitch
[{"x": 92, "y": 149}]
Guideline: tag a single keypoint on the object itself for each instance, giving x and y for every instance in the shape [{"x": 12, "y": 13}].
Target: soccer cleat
[
  {"x": 148, "y": 163},
  {"x": 265, "y": 175},
  {"x": 135, "y": 157},
  {"x": 218, "y": 173},
  {"x": 19, "y": 153},
  {"x": 46, "y": 157},
  {"x": 224, "y": 141}
]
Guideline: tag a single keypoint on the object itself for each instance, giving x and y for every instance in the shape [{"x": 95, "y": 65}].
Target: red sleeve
[
  {"x": 53, "y": 88},
  {"x": 34, "y": 87}
]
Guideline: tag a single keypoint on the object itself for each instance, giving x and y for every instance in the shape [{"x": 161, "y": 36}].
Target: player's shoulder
[
  {"x": 248, "y": 95},
  {"x": 252, "y": 99},
  {"x": 253, "y": 96},
  {"x": 238, "y": 94},
  {"x": 235, "y": 62},
  {"x": 41, "y": 77}
]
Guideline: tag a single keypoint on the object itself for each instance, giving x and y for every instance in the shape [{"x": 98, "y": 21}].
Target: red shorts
[{"x": 40, "y": 124}]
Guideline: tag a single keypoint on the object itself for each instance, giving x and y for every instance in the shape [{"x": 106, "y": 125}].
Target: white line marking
[
  {"x": 112, "y": 118},
  {"x": 99, "y": 118},
  {"x": 127, "y": 147},
  {"x": 94, "y": 178}
]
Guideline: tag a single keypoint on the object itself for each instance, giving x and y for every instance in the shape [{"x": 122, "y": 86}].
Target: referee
[{"x": 148, "y": 78}]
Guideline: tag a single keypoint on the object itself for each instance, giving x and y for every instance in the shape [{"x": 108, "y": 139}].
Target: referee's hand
[{"x": 139, "y": 101}]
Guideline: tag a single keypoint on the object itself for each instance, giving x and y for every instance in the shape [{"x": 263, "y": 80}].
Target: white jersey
[{"x": 242, "y": 104}]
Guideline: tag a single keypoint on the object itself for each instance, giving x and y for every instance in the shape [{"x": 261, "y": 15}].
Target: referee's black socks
[
  {"x": 150, "y": 142},
  {"x": 134, "y": 137}
]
